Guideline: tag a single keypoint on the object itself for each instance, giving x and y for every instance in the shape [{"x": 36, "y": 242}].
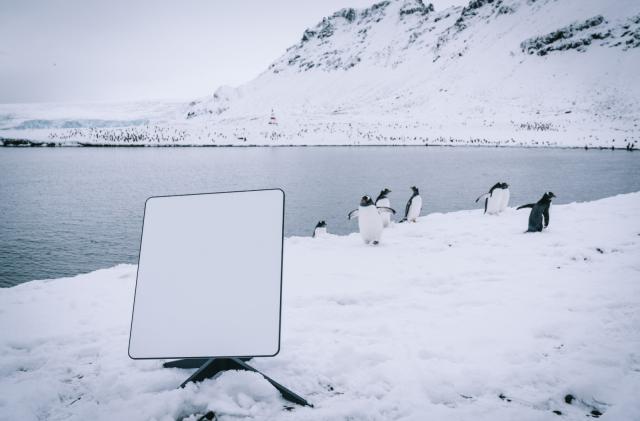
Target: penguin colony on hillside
[
  {"x": 373, "y": 217},
  {"x": 307, "y": 132}
]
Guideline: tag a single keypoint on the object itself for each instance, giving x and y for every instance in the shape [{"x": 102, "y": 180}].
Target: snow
[
  {"x": 437, "y": 322},
  {"x": 378, "y": 76}
]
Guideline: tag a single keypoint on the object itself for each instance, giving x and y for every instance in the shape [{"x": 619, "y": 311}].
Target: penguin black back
[{"x": 539, "y": 216}]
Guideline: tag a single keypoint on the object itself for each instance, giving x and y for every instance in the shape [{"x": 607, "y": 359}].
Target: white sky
[{"x": 120, "y": 50}]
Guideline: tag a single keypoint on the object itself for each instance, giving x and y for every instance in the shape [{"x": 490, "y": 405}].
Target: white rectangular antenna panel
[{"x": 209, "y": 278}]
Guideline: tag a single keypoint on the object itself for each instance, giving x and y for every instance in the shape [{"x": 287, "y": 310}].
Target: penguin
[
  {"x": 414, "y": 206},
  {"x": 320, "y": 230},
  {"x": 539, "y": 210},
  {"x": 369, "y": 220},
  {"x": 383, "y": 201},
  {"x": 495, "y": 198}
]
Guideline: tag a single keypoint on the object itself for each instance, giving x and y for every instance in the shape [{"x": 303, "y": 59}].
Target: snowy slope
[
  {"x": 508, "y": 72},
  {"x": 438, "y": 322}
]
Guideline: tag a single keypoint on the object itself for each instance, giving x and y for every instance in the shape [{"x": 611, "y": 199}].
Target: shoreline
[
  {"x": 340, "y": 236},
  {"x": 24, "y": 143}
]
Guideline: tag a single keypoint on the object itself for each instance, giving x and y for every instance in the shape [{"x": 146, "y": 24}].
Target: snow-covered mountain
[{"x": 508, "y": 72}]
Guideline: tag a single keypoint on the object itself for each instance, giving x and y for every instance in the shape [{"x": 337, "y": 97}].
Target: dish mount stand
[{"x": 211, "y": 367}]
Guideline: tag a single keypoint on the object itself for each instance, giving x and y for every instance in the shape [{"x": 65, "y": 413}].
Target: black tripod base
[
  {"x": 191, "y": 362},
  {"x": 187, "y": 363},
  {"x": 208, "y": 368}
]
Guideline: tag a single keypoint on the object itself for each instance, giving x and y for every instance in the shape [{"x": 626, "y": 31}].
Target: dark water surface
[{"x": 66, "y": 211}]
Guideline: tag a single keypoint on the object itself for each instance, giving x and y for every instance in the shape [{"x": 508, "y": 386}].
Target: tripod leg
[
  {"x": 286, "y": 393},
  {"x": 214, "y": 366}
]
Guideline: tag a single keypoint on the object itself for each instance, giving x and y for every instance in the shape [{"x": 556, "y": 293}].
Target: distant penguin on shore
[
  {"x": 414, "y": 206},
  {"x": 320, "y": 230},
  {"x": 384, "y": 202},
  {"x": 497, "y": 199},
  {"x": 369, "y": 220},
  {"x": 539, "y": 211}
]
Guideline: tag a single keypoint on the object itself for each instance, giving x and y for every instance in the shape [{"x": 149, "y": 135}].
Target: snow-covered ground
[
  {"x": 460, "y": 316},
  {"x": 508, "y": 73}
]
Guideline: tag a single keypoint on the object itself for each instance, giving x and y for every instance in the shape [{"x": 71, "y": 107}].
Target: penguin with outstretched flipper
[
  {"x": 539, "y": 212},
  {"x": 497, "y": 199},
  {"x": 369, "y": 220}
]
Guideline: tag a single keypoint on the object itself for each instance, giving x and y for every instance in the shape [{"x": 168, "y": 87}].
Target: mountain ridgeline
[
  {"x": 492, "y": 67},
  {"x": 418, "y": 27}
]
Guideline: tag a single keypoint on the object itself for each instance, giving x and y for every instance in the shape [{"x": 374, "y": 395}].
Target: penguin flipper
[
  {"x": 406, "y": 209},
  {"x": 353, "y": 214},
  {"x": 481, "y": 196},
  {"x": 528, "y": 205},
  {"x": 386, "y": 209}
]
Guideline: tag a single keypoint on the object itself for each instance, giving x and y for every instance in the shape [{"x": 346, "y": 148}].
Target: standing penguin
[
  {"x": 495, "y": 198},
  {"x": 320, "y": 229},
  {"x": 369, "y": 220},
  {"x": 384, "y": 202},
  {"x": 539, "y": 210},
  {"x": 414, "y": 206}
]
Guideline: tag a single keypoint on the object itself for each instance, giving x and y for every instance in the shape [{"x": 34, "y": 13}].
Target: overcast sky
[{"x": 120, "y": 50}]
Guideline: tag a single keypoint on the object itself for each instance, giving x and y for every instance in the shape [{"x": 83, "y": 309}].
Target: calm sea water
[{"x": 65, "y": 211}]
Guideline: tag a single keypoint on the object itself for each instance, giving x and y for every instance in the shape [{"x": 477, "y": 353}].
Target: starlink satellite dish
[{"x": 209, "y": 278}]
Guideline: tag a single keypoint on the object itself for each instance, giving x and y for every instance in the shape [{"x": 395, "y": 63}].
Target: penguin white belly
[
  {"x": 320, "y": 232},
  {"x": 414, "y": 209},
  {"x": 386, "y": 216},
  {"x": 494, "y": 202},
  {"x": 505, "y": 199},
  {"x": 370, "y": 223}
]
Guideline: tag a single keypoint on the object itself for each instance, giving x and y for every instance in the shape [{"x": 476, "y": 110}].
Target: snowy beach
[{"x": 459, "y": 316}]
